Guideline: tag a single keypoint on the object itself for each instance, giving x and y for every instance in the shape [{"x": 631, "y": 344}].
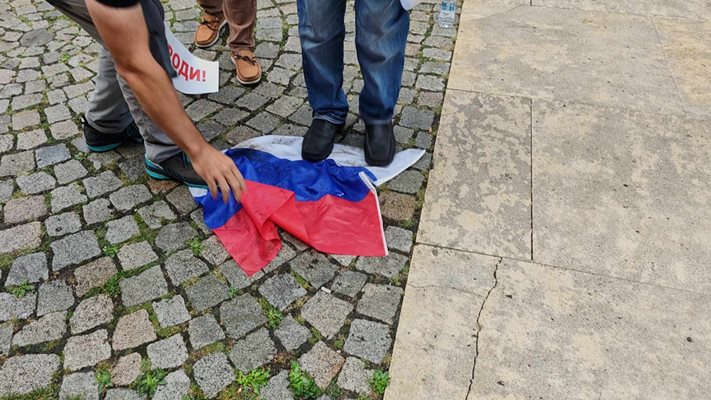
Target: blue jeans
[{"x": 381, "y": 36}]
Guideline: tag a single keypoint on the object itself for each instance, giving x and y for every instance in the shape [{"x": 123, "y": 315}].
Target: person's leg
[
  {"x": 112, "y": 97},
  {"x": 241, "y": 17},
  {"x": 107, "y": 111},
  {"x": 322, "y": 32},
  {"x": 211, "y": 24},
  {"x": 381, "y": 36}
]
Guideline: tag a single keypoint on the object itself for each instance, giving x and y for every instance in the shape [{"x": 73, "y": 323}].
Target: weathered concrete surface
[
  {"x": 485, "y": 8},
  {"x": 436, "y": 338},
  {"x": 622, "y": 194},
  {"x": 698, "y": 9},
  {"x": 479, "y": 195},
  {"x": 687, "y": 45},
  {"x": 548, "y": 333},
  {"x": 582, "y": 56}
]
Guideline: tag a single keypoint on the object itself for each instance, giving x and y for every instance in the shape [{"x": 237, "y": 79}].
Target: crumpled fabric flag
[{"x": 330, "y": 205}]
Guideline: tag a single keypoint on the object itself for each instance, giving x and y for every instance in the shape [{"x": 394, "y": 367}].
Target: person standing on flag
[
  {"x": 381, "y": 35},
  {"x": 240, "y": 16},
  {"x": 134, "y": 98}
]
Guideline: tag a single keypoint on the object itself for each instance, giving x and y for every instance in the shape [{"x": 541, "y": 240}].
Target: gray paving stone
[
  {"x": 281, "y": 290},
  {"x": 167, "y": 353},
  {"x": 183, "y": 265},
  {"x": 133, "y": 330},
  {"x": 15, "y": 164},
  {"x": 177, "y": 386},
  {"x": 62, "y": 224},
  {"x": 291, "y": 334},
  {"x": 126, "y": 370},
  {"x": 314, "y": 267},
  {"x": 93, "y": 274},
  {"x": 213, "y": 251},
  {"x": 326, "y": 313},
  {"x": 171, "y": 312},
  {"x": 213, "y": 373},
  {"x": 99, "y": 210},
  {"x": 30, "y": 140},
  {"x": 51, "y": 155},
  {"x": 203, "y": 331},
  {"x": 408, "y": 182},
  {"x": 90, "y": 313},
  {"x": 37, "y": 37},
  {"x": 322, "y": 363},
  {"x": 146, "y": 286},
  {"x": 6, "y": 189},
  {"x": 86, "y": 350},
  {"x": 64, "y": 130},
  {"x": 49, "y": 327},
  {"x": 236, "y": 276},
  {"x": 207, "y": 292},
  {"x": 388, "y": 266},
  {"x": 253, "y": 351},
  {"x": 355, "y": 377},
  {"x": 80, "y": 385},
  {"x": 129, "y": 197},
  {"x": 74, "y": 249},
  {"x": 24, "y": 209},
  {"x": 54, "y": 296},
  {"x": 136, "y": 255},
  {"x": 241, "y": 315},
  {"x": 64, "y": 197},
  {"x": 156, "y": 214},
  {"x": 104, "y": 182},
  {"x": 26, "y": 118},
  {"x": 12, "y": 307},
  {"x": 20, "y": 237},
  {"x": 57, "y": 113},
  {"x": 277, "y": 388},
  {"x": 251, "y": 101},
  {"x": 182, "y": 200},
  {"x": 368, "y": 340},
  {"x": 31, "y": 268},
  {"x": 399, "y": 238},
  {"x": 173, "y": 237},
  {"x": 23, "y": 374},
  {"x": 418, "y": 119},
  {"x": 199, "y": 219},
  {"x": 430, "y": 82},
  {"x": 122, "y": 229},
  {"x": 5, "y": 338},
  {"x": 123, "y": 394},
  {"x": 380, "y": 302},
  {"x": 69, "y": 171},
  {"x": 201, "y": 109},
  {"x": 348, "y": 283}
]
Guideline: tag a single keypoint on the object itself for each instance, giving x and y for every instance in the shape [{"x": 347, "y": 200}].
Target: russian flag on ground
[{"x": 330, "y": 205}]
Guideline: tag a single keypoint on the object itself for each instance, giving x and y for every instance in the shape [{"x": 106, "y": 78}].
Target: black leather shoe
[
  {"x": 319, "y": 139},
  {"x": 379, "y": 145}
]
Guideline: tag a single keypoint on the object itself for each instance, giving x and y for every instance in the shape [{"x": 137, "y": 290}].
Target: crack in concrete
[
  {"x": 425, "y": 287},
  {"x": 478, "y": 324}
]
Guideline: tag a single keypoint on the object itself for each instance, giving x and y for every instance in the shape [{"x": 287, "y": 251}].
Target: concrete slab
[
  {"x": 582, "y": 56},
  {"x": 622, "y": 194},
  {"x": 485, "y": 8},
  {"x": 548, "y": 333},
  {"x": 436, "y": 339},
  {"x": 479, "y": 192},
  {"x": 699, "y": 9},
  {"x": 687, "y": 45}
]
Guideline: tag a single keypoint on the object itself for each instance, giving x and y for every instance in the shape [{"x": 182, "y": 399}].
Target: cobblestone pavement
[{"x": 110, "y": 280}]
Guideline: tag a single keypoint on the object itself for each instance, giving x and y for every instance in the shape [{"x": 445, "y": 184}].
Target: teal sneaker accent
[{"x": 102, "y": 149}]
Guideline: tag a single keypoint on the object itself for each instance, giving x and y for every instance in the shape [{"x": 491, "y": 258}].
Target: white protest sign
[{"x": 195, "y": 75}]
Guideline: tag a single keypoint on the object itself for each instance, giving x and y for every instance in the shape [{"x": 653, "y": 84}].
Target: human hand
[{"x": 219, "y": 172}]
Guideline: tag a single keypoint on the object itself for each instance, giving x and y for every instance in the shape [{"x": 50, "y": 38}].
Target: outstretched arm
[{"x": 125, "y": 35}]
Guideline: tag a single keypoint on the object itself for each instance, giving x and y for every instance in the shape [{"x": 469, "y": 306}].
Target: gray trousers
[{"x": 113, "y": 105}]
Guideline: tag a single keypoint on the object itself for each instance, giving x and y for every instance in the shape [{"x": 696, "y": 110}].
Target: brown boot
[
  {"x": 208, "y": 32},
  {"x": 248, "y": 70}
]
